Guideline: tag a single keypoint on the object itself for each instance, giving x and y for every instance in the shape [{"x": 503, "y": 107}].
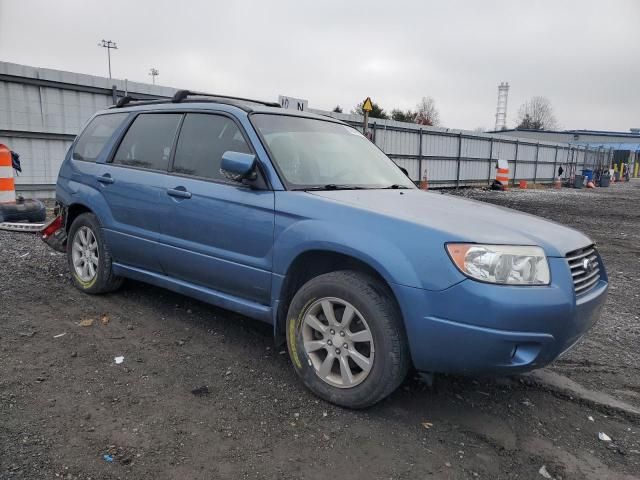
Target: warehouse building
[{"x": 625, "y": 145}]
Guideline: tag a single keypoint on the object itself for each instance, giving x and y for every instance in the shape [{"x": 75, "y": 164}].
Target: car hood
[{"x": 463, "y": 220}]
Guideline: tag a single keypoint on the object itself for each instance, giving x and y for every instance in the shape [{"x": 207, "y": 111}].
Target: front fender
[
  {"x": 312, "y": 235},
  {"x": 402, "y": 252}
]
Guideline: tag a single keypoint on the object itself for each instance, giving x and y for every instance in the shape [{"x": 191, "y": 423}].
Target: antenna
[{"x": 501, "y": 110}]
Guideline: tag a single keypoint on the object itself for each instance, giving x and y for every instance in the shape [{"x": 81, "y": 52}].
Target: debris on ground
[
  {"x": 119, "y": 360},
  {"x": 107, "y": 458},
  {"x": 543, "y": 471},
  {"x": 105, "y": 319},
  {"x": 604, "y": 437},
  {"x": 200, "y": 391},
  {"x": 87, "y": 322},
  {"x": 427, "y": 425}
]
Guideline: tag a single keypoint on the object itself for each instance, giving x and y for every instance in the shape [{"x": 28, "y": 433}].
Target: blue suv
[{"x": 299, "y": 221}]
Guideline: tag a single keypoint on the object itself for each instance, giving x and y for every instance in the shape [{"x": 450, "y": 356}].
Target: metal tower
[{"x": 501, "y": 110}]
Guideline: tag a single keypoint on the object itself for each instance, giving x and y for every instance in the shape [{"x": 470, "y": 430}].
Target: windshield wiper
[
  {"x": 395, "y": 186},
  {"x": 330, "y": 186}
]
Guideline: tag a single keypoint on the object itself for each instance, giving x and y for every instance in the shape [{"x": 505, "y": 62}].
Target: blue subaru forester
[{"x": 299, "y": 221}]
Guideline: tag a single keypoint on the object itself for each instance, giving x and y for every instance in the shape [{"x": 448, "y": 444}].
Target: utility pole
[
  {"x": 109, "y": 45},
  {"x": 154, "y": 73},
  {"x": 367, "y": 106}
]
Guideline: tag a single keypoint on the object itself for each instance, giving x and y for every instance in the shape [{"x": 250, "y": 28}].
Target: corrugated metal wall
[
  {"x": 42, "y": 110},
  {"x": 462, "y": 158}
]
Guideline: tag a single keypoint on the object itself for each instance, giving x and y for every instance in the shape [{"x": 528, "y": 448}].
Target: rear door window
[
  {"x": 148, "y": 142},
  {"x": 93, "y": 139},
  {"x": 204, "y": 138}
]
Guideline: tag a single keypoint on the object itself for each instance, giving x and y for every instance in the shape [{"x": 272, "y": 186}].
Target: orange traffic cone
[{"x": 424, "y": 183}]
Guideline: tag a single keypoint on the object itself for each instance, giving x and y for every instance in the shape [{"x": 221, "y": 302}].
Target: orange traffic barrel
[
  {"x": 7, "y": 184},
  {"x": 523, "y": 184},
  {"x": 502, "y": 173}
]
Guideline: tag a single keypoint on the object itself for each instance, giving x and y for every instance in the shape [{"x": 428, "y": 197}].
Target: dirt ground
[{"x": 203, "y": 393}]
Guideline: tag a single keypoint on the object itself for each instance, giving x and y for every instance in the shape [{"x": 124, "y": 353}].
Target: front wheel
[
  {"x": 346, "y": 339},
  {"x": 88, "y": 256}
]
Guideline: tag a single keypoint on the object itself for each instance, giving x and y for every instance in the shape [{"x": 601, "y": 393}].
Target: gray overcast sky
[{"x": 583, "y": 55}]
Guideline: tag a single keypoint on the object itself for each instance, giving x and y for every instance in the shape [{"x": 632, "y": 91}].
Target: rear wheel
[
  {"x": 89, "y": 258},
  {"x": 346, "y": 339}
]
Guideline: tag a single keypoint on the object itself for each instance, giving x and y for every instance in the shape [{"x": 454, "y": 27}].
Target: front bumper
[{"x": 480, "y": 328}]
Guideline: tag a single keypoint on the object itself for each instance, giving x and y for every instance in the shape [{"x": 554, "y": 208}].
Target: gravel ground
[{"x": 203, "y": 393}]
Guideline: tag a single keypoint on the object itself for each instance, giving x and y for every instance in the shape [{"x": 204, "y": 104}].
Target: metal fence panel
[
  {"x": 41, "y": 110},
  {"x": 435, "y": 145},
  {"x": 546, "y": 154},
  {"x": 527, "y": 153},
  {"x": 40, "y": 158},
  {"x": 476, "y": 147}
]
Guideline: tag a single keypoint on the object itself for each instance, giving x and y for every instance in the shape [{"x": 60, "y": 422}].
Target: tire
[
  {"x": 103, "y": 280},
  {"x": 372, "y": 308}
]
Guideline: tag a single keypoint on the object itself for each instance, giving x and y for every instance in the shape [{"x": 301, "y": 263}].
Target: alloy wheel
[
  {"x": 84, "y": 252},
  {"x": 338, "y": 342}
]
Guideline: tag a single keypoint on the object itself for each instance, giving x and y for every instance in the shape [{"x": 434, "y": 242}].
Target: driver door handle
[
  {"x": 178, "y": 192},
  {"x": 106, "y": 178}
]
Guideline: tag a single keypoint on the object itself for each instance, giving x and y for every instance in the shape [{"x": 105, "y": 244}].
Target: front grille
[{"x": 585, "y": 268}]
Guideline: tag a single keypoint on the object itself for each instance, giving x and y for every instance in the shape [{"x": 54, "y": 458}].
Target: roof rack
[
  {"x": 124, "y": 101},
  {"x": 181, "y": 95},
  {"x": 185, "y": 95}
]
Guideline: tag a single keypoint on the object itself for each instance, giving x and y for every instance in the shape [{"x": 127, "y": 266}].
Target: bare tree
[
  {"x": 427, "y": 113},
  {"x": 537, "y": 114},
  {"x": 337, "y": 109}
]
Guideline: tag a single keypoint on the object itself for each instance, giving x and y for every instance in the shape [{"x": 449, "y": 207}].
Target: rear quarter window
[{"x": 94, "y": 137}]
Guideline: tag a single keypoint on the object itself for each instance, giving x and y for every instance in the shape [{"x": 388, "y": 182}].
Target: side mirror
[{"x": 238, "y": 166}]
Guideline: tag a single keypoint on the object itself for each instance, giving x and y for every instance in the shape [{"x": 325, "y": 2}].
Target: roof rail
[
  {"x": 124, "y": 101},
  {"x": 187, "y": 95},
  {"x": 181, "y": 95}
]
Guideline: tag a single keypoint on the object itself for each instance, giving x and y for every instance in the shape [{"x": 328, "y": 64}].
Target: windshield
[{"x": 316, "y": 154}]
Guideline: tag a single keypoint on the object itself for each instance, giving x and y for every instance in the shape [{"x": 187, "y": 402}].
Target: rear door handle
[
  {"x": 106, "y": 178},
  {"x": 178, "y": 192}
]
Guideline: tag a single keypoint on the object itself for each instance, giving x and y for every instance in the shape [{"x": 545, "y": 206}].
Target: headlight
[{"x": 504, "y": 264}]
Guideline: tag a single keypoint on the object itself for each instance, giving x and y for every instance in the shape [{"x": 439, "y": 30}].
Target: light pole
[
  {"x": 154, "y": 73},
  {"x": 109, "y": 45}
]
